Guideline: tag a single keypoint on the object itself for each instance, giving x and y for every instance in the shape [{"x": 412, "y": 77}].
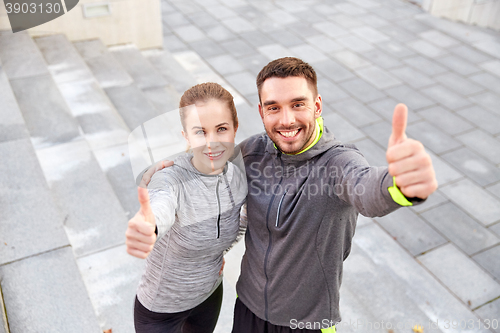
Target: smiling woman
[
  {"x": 195, "y": 208},
  {"x": 209, "y": 131}
]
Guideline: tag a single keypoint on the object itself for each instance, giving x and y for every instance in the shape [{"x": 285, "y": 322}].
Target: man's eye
[
  {"x": 298, "y": 105},
  {"x": 272, "y": 108}
]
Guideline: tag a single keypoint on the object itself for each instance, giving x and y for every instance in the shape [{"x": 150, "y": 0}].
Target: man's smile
[{"x": 289, "y": 134}]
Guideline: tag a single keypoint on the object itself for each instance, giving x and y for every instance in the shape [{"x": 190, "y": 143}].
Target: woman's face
[{"x": 210, "y": 133}]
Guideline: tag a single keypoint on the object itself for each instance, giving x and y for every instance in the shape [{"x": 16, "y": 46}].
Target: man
[{"x": 305, "y": 192}]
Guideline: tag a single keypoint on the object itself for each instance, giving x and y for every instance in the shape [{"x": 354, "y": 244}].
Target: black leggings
[{"x": 200, "y": 319}]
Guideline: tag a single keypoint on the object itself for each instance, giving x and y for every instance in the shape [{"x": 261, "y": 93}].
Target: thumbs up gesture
[
  {"x": 140, "y": 234},
  {"x": 408, "y": 160}
]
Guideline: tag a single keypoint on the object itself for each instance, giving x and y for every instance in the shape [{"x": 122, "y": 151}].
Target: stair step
[
  {"x": 132, "y": 105},
  {"x": 12, "y": 124},
  {"x": 45, "y": 293},
  {"x": 87, "y": 102},
  {"x": 190, "y": 65},
  {"x": 20, "y": 56},
  {"x": 202, "y": 72},
  {"x": 45, "y": 112},
  {"x": 94, "y": 112},
  {"x": 112, "y": 277},
  {"x": 142, "y": 72},
  {"x": 64, "y": 62},
  {"x": 381, "y": 274},
  {"x": 31, "y": 222},
  {"x": 95, "y": 219},
  {"x": 164, "y": 99},
  {"x": 115, "y": 163},
  {"x": 107, "y": 71},
  {"x": 170, "y": 69}
]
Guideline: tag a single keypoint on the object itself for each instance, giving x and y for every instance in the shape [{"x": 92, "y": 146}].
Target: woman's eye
[
  {"x": 200, "y": 132},
  {"x": 222, "y": 129}
]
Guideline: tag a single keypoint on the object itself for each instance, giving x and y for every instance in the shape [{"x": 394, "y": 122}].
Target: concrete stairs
[{"x": 66, "y": 110}]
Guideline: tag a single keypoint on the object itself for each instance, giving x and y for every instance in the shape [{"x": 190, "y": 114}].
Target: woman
[{"x": 195, "y": 211}]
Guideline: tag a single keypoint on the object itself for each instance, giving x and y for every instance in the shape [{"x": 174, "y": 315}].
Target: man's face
[{"x": 289, "y": 110}]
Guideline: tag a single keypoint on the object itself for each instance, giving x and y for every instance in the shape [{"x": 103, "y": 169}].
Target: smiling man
[
  {"x": 305, "y": 192},
  {"x": 287, "y": 106}
]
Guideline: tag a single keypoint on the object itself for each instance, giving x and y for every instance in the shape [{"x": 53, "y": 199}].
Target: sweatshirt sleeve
[
  {"x": 242, "y": 228},
  {"x": 163, "y": 198},
  {"x": 363, "y": 186}
]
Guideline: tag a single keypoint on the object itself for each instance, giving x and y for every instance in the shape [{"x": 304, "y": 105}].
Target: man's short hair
[{"x": 286, "y": 67}]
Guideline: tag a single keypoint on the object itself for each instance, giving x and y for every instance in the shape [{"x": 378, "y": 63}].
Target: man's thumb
[
  {"x": 146, "y": 210},
  {"x": 399, "y": 119}
]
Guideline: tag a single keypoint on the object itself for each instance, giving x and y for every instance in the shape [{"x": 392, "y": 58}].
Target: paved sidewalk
[{"x": 370, "y": 55}]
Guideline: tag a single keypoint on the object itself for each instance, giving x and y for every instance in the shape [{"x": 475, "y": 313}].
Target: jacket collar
[{"x": 326, "y": 142}]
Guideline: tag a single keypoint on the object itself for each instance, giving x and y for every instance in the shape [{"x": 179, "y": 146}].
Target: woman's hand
[{"x": 140, "y": 234}]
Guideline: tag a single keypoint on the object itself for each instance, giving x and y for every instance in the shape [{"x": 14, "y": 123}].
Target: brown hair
[
  {"x": 285, "y": 67},
  {"x": 203, "y": 93}
]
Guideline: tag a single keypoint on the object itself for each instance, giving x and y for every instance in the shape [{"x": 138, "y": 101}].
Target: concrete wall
[
  {"x": 131, "y": 21},
  {"x": 484, "y": 13}
]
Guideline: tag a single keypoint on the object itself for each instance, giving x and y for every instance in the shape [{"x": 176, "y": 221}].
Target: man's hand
[
  {"x": 222, "y": 267},
  {"x": 408, "y": 160},
  {"x": 140, "y": 233},
  {"x": 146, "y": 177}
]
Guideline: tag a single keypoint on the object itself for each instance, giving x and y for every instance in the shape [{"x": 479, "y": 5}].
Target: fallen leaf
[
  {"x": 418, "y": 329},
  {"x": 468, "y": 302},
  {"x": 108, "y": 331},
  {"x": 390, "y": 331}
]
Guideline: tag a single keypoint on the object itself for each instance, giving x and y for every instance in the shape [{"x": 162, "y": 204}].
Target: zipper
[
  {"x": 266, "y": 303},
  {"x": 279, "y": 207},
  {"x": 218, "y": 206}
]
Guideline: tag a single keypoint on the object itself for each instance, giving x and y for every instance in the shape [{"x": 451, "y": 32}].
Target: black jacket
[{"x": 302, "y": 212}]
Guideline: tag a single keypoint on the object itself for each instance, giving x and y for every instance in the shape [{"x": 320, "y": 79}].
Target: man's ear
[
  {"x": 261, "y": 112},
  {"x": 318, "y": 106}
]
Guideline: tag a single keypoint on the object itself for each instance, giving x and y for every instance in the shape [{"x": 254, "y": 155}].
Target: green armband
[{"x": 396, "y": 194}]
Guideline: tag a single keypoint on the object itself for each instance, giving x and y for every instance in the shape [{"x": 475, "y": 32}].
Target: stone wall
[
  {"x": 129, "y": 21},
  {"x": 484, "y": 13}
]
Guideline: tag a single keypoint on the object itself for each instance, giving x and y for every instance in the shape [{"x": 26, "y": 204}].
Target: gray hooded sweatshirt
[
  {"x": 198, "y": 218},
  {"x": 302, "y": 212}
]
